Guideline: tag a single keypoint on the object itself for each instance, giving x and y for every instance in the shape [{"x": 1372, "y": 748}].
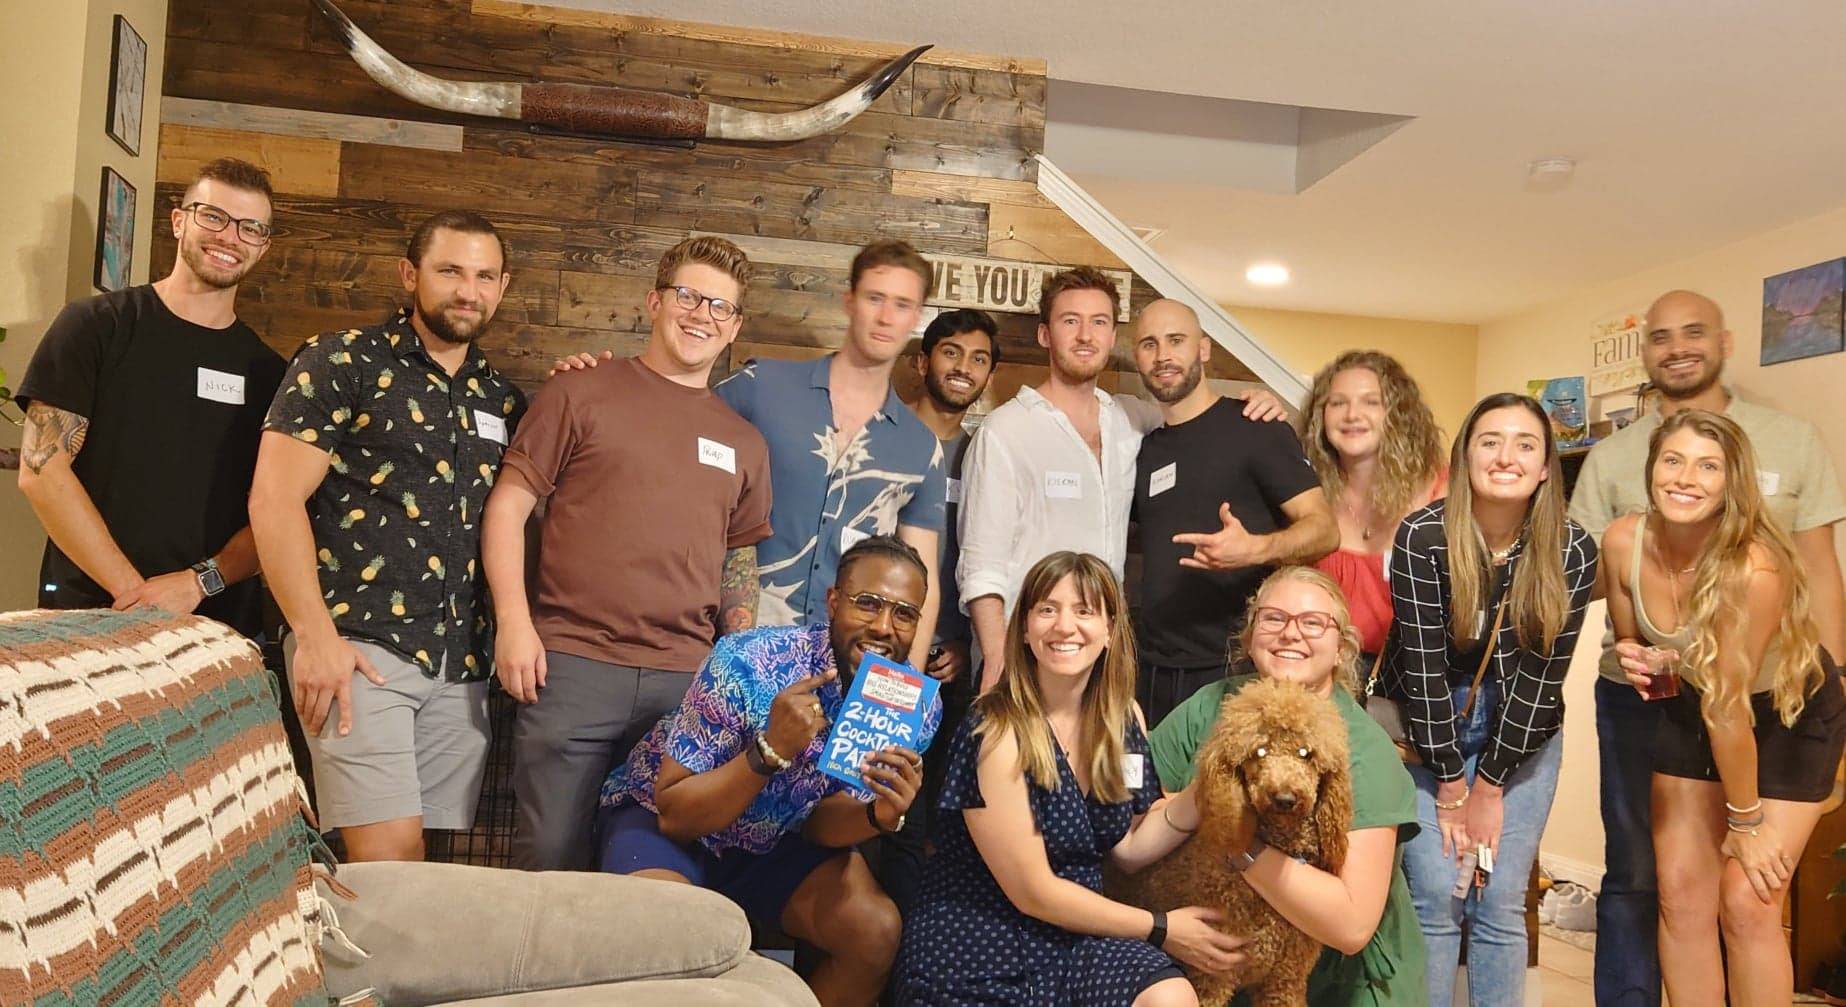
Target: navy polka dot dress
[{"x": 965, "y": 944}]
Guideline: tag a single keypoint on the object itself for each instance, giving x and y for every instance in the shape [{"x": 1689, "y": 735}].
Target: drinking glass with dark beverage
[{"x": 1662, "y": 673}]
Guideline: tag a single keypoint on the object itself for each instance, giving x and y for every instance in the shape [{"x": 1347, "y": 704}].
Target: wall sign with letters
[{"x": 966, "y": 281}]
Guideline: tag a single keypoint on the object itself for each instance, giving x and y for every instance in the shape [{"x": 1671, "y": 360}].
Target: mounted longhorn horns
[{"x": 608, "y": 111}]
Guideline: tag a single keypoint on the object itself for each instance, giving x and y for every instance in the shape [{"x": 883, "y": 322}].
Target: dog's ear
[
  {"x": 1227, "y": 824},
  {"x": 1333, "y": 818}
]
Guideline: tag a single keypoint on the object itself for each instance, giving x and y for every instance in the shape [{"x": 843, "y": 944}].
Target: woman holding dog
[
  {"x": 1047, "y": 780},
  {"x": 1711, "y": 614},
  {"x": 1489, "y": 588},
  {"x": 1299, "y": 630},
  {"x": 1378, "y": 452}
]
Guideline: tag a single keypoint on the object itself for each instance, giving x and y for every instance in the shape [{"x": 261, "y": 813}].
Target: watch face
[{"x": 211, "y": 580}]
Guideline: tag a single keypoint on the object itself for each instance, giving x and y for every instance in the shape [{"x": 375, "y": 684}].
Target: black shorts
[{"x": 1792, "y": 763}]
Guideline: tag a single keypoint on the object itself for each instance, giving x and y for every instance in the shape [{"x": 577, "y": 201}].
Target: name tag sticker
[
  {"x": 850, "y": 537},
  {"x": 1131, "y": 771},
  {"x": 718, "y": 456},
  {"x": 490, "y": 426},
  {"x": 1163, "y": 479},
  {"x": 955, "y": 491},
  {"x": 1768, "y": 482},
  {"x": 217, "y": 386},
  {"x": 1064, "y": 485}
]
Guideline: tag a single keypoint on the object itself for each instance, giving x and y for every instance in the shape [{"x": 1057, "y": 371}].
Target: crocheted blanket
[{"x": 152, "y": 843}]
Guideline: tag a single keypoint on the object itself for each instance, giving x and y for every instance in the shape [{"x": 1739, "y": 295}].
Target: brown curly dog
[{"x": 1276, "y": 764}]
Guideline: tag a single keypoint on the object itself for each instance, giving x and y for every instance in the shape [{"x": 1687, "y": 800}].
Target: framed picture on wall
[
  {"x": 1802, "y": 312},
  {"x": 127, "y": 86},
  {"x": 115, "y": 232}
]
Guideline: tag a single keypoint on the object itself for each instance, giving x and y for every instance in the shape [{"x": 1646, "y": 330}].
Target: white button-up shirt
[{"x": 1032, "y": 487}]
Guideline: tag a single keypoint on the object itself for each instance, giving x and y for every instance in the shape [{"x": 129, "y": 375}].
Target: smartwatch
[{"x": 211, "y": 580}]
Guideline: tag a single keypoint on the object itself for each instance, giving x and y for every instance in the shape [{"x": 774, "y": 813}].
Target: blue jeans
[
  {"x": 1628, "y": 909},
  {"x": 1495, "y": 914}
]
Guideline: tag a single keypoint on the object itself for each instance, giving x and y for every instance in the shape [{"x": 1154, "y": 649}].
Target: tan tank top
[{"x": 1681, "y": 638}]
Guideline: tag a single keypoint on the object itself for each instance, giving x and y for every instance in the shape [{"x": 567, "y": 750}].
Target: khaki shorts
[{"x": 418, "y": 747}]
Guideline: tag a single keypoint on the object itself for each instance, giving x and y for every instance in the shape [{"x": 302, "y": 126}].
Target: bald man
[
  {"x": 1220, "y": 500},
  {"x": 1684, "y": 352}
]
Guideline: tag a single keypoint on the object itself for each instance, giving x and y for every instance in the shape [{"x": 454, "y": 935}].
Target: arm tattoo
[
  {"x": 737, "y": 591},
  {"x": 48, "y": 431}
]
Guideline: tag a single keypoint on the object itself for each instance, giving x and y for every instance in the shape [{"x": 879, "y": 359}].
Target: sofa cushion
[
  {"x": 755, "y": 982},
  {"x": 444, "y": 932},
  {"x": 152, "y": 848}
]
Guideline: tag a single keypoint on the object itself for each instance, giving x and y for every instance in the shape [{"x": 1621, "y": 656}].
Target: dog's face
[{"x": 1278, "y": 754}]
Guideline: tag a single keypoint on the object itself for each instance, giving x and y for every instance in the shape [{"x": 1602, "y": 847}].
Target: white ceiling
[{"x": 1694, "y": 122}]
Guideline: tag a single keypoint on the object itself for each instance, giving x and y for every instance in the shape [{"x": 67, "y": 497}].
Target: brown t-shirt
[{"x": 648, "y": 484}]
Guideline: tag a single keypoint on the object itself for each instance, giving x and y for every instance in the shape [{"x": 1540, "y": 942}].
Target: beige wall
[
  {"x": 56, "y": 79},
  {"x": 1553, "y": 340},
  {"x": 1439, "y": 355}
]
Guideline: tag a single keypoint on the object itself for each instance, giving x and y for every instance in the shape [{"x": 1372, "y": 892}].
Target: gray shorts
[{"x": 418, "y": 747}]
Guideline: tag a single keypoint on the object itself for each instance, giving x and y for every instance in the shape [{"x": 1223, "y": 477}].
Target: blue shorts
[{"x": 760, "y": 883}]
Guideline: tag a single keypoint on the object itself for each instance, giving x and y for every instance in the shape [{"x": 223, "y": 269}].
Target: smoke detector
[{"x": 1549, "y": 174}]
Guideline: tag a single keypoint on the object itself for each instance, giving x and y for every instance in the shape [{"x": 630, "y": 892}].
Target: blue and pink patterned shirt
[{"x": 724, "y": 710}]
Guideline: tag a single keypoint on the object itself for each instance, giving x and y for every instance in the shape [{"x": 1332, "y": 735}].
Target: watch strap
[
  {"x": 759, "y": 765},
  {"x": 1241, "y": 862}
]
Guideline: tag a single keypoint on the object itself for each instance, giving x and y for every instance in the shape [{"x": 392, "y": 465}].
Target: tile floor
[{"x": 1564, "y": 974}]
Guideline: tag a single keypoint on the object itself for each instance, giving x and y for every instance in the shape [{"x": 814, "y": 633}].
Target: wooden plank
[
  {"x": 604, "y": 302},
  {"x": 442, "y": 179},
  {"x": 729, "y": 35},
  {"x": 321, "y": 125},
  {"x": 526, "y": 352},
  {"x": 500, "y": 48},
  {"x": 965, "y": 188},
  {"x": 295, "y": 164},
  {"x": 798, "y": 162},
  {"x": 791, "y": 251},
  {"x": 921, "y": 143},
  {"x": 283, "y": 78},
  {"x": 1019, "y": 232},
  {"x": 266, "y": 24},
  {"x": 978, "y": 96},
  {"x": 786, "y": 210},
  {"x": 303, "y": 276}
]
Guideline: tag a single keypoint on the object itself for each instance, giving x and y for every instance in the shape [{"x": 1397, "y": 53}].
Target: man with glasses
[
  {"x": 656, "y": 496},
  {"x": 727, "y": 792},
  {"x": 143, "y": 411}
]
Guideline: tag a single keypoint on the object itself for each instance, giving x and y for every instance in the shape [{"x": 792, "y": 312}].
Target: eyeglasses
[
  {"x": 251, "y": 230},
  {"x": 1313, "y": 625},
  {"x": 690, "y": 299},
  {"x": 903, "y": 614}
]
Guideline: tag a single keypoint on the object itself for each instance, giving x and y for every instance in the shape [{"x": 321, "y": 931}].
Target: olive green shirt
[{"x": 1390, "y": 970}]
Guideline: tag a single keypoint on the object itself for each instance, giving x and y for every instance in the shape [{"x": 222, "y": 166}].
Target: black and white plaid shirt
[{"x": 1425, "y": 655}]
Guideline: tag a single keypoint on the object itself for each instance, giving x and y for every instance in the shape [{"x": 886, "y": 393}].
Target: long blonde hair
[
  {"x": 1539, "y": 603},
  {"x": 1346, "y": 671},
  {"x": 1410, "y": 450},
  {"x": 1016, "y": 706},
  {"x": 1722, "y": 576}
]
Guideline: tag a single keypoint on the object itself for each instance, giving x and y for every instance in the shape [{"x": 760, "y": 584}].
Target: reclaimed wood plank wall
[{"x": 943, "y": 160}]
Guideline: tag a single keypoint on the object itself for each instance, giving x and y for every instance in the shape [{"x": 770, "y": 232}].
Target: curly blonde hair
[
  {"x": 1722, "y": 574},
  {"x": 1346, "y": 668},
  {"x": 1410, "y": 454}
]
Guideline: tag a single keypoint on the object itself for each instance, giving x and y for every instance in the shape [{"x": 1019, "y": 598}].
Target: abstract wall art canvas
[
  {"x": 1802, "y": 312},
  {"x": 127, "y": 86},
  {"x": 115, "y": 232}
]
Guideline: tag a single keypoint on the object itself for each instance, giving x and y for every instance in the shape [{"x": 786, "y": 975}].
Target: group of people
[{"x": 677, "y": 582}]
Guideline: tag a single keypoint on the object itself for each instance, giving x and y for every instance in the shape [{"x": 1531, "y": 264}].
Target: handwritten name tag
[
  {"x": 1162, "y": 479},
  {"x": 217, "y": 386},
  {"x": 489, "y": 426},
  {"x": 1064, "y": 485},
  {"x": 718, "y": 456}
]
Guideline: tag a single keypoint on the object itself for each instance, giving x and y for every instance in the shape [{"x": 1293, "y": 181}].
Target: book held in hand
[{"x": 885, "y": 705}]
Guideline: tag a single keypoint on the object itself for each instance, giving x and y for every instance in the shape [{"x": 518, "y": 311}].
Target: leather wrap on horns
[{"x": 608, "y": 111}]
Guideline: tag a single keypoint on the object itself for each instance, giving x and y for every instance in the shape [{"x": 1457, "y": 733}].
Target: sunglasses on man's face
[{"x": 904, "y": 615}]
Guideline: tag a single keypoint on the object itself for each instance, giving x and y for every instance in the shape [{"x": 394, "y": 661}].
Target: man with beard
[
  {"x": 1684, "y": 350},
  {"x": 727, "y": 793},
  {"x": 619, "y": 622},
  {"x": 959, "y": 352},
  {"x": 376, "y": 460},
  {"x": 1220, "y": 500},
  {"x": 143, "y": 409}
]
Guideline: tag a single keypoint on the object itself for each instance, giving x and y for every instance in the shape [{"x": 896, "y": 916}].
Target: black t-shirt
[
  {"x": 1182, "y": 475},
  {"x": 175, "y": 413}
]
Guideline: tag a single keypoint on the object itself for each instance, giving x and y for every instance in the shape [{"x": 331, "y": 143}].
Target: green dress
[{"x": 1390, "y": 970}]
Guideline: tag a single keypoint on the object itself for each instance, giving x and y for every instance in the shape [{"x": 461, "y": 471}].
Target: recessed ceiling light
[{"x": 1267, "y": 274}]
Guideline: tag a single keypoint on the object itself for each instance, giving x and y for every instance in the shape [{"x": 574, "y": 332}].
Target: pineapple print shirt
[{"x": 396, "y": 521}]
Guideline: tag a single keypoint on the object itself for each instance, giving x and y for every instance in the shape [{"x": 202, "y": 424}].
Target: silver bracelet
[{"x": 770, "y": 755}]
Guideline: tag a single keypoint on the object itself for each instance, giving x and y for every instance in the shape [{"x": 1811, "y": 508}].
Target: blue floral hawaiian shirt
[
  {"x": 827, "y": 495},
  {"x": 724, "y": 710}
]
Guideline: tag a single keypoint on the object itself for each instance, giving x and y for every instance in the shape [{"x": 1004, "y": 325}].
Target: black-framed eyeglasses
[
  {"x": 904, "y": 615},
  {"x": 690, "y": 299},
  {"x": 251, "y": 230},
  {"x": 1313, "y": 625}
]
